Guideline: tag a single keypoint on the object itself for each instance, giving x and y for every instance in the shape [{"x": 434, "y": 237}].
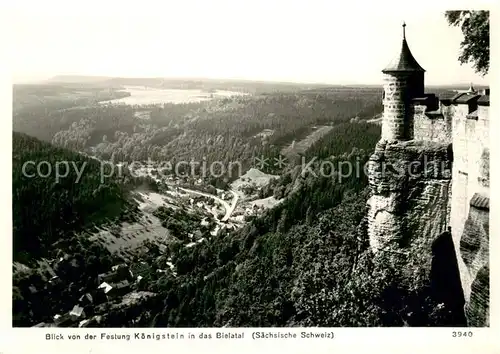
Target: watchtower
[{"x": 403, "y": 80}]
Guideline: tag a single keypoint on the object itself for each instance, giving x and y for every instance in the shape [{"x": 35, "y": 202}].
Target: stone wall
[
  {"x": 432, "y": 127},
  {"x": 397, "y": 113},
  {"x": 470, "y": 174}
]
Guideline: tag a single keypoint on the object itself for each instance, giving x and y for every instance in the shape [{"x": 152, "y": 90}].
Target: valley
[{"x": 206, "y": 198}]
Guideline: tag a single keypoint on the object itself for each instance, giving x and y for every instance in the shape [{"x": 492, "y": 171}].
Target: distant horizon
[
  {"x": 313, "y": 42},
  {"x": 52, "y": 78}
]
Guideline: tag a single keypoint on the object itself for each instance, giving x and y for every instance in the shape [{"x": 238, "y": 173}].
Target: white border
[{"x": 386, "y": 340}]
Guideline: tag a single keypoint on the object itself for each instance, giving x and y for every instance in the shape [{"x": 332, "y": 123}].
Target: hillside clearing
[{"x": 300, "y": 147}]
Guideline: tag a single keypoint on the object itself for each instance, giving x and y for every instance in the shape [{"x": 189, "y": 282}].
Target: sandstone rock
[{"x": 410, "y": 183}]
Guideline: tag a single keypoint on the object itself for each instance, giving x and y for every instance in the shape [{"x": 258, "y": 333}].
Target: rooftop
[
  {"x": 122, "y": 284},
  {"x": 43, "y": 324},
  {"x": 106, "y": 287},
  {"x": 484, "y": 100},
  {"x": 405, "y": 62},
  {"x": 479, "y": 201},
  {"x": 447, "y": 95},
  {"x": 76, "y": 311},
  {"x": 465, "y": 97}
]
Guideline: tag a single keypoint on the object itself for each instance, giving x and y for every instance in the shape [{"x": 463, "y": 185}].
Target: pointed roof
[
  {"x": 471, "y": 89},
  {"x": 405, "y": 62},
  {"x": 480, "y": 201}
]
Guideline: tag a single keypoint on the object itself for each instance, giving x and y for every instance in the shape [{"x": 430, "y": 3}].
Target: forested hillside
[
  {"x": 313, "y": 274},
  {"x": 305, "y": 262},
  {"x": 46, "y": 209},
  {"x": 225, "y": 130}
]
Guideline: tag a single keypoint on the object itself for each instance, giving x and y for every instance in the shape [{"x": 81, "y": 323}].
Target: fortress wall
[
  {"x": 436, "y": 128},
  {"x": 459, "y": 194},
  {"x": 470, "y": 176}
]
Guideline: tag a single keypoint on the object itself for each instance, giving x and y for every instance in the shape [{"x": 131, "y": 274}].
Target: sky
[{"x": 275, "y": 40}]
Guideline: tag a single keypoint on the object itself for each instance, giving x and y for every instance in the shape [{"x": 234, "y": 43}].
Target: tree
[
  {"x": 309, "y": 215},
  {"x": 475, "y": 47},
  {"x": 283, "y": 221}
]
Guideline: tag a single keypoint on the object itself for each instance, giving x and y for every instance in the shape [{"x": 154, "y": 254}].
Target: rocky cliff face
[
  {"x": 474, "y": 251},
  {"x": 409, "y": 213},
  {"x": 410, "y": 183}
]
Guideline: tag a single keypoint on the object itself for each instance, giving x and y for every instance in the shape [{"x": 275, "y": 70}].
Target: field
[
  {"x": 132, "y": 235},
  {"x": 143, "y": 95},
  {"x": 252, "y": 178},
  {"x": 298, "y": 148}
]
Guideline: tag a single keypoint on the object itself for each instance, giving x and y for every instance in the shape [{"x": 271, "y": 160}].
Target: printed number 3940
[{"x": 458, "y": 334}]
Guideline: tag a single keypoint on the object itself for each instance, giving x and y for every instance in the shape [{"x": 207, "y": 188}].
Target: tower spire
[
  {"x": 403, "y": 81},
  {"x": 405, "y": 61},
  {"x": 471, "y": 89}
]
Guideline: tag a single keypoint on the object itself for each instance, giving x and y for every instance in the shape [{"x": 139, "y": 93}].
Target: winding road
[{"x": 229, "y": 208}]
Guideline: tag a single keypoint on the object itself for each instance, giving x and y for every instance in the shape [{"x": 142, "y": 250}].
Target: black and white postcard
[{"x": 204, "y": 174}]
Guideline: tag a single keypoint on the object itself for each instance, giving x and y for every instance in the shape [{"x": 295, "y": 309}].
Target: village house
[
  {"x": 85, "y": 299},
  {"x": 84, "y": 323},
  {"x": 118, "y": 266},
  {"x": 118, "y": 273},
  {"x": 77, "y": 313},
  {"x": 62, "y": 320},
  {"x": 140, "y": 269},
  {"x": 120, "y": 289},
  {"x": 106, "y": 288},
  {"x": 94, "y": 321},
  {"x": 43, "y": 324},
  {"x": 115, "y": 289},
  {"x": 106, "y": 277}
]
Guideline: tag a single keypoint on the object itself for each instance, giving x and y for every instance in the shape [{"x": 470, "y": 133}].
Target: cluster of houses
[
  {"x": 114, "y": 286},
  {"x": 248, "y": 210}
]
